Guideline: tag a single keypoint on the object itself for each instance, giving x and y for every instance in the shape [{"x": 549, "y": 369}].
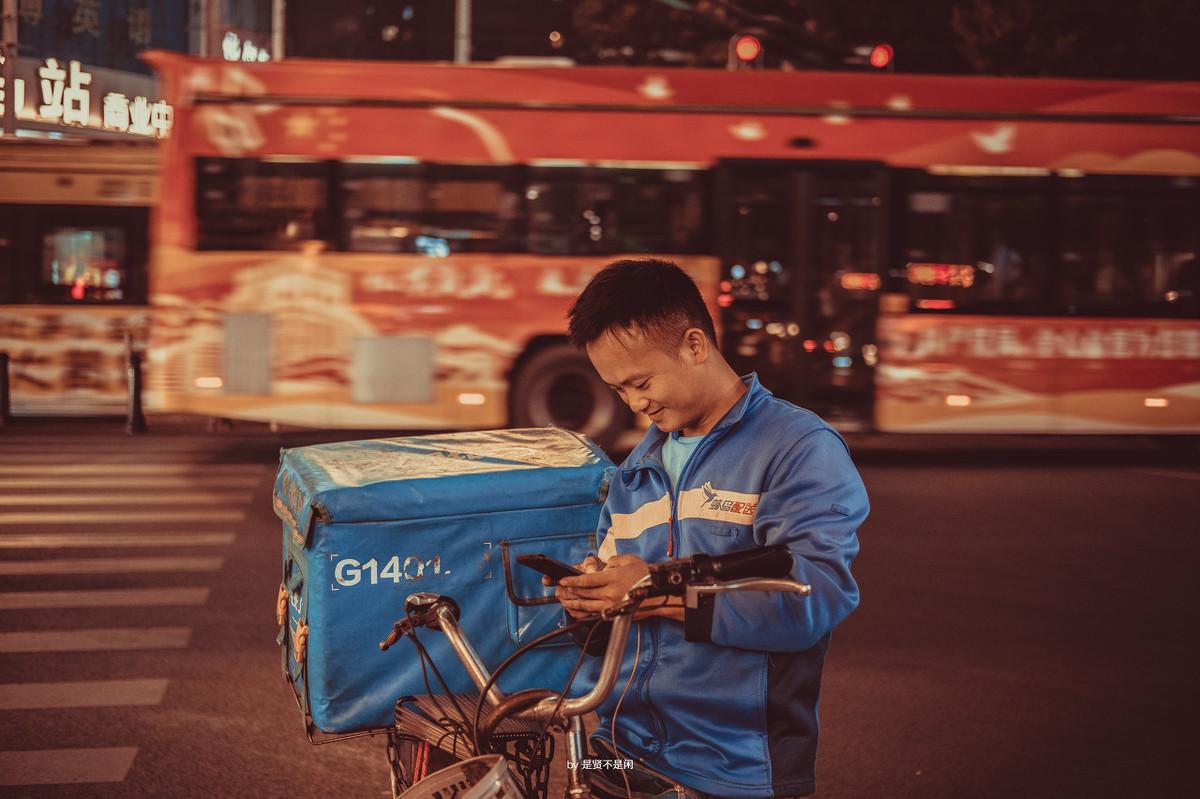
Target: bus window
[
  {"x": 569, "y": 214},
  {"x": 73, "y": 254},
  {"x": 1173, "y": 256},
  {"x": 757, "y": 218},
  {"x": 83, "y": 263},
  {"x": 603, "y": 211},
  {"x": 659, "y": 211},
  {"x": 1128, "y": 247},
  {"x": 430, "y": 209},
  {"x": 845, "y": 233},
  {"x": 244, "y": 204},
  {"x": 975, "y": 246}
]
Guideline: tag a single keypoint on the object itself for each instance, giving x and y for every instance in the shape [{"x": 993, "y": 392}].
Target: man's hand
[
  {"x": 590, "y": 564},
  {"x": 599, "y": 588}
]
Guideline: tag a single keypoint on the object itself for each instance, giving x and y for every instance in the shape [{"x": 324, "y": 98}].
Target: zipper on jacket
[
  {"x": 716, "y": 433},
  {"x": 687, "y": 471},
  {"x": 672, "y": 527},
  {"x": 656, "y": 465}
]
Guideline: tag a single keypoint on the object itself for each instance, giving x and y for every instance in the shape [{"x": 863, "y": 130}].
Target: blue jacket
[{"x": 737, "y": 716}]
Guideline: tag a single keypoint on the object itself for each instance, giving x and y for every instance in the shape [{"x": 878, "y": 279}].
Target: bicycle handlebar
[
  {"x": 700, "y": 575},
  {"x": 671, "y": 578}
]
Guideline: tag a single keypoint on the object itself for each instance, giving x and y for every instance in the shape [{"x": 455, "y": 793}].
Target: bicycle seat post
[{"x": 577, "y": 788}]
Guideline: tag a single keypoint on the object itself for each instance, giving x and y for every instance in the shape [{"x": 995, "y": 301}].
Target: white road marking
[
  {"x": 99, "y": 458},
  {"x": 165, "y": 516},
  {"x": 95, "y": 639},
  {"x": 65, "y": 540},
  {"x": 118, "y": 598},
  {"x": 92, "y": 693},
  {"x": 199, "y": 469},
  {"x": 61, "y": 766},
  {"x": 1168, "y": 473},
  {"x": 143, "y": 481},
  {"x": 132, "y": 497},
  {"x": 102, "y": 446},
  {"x": 109, "y": 565}
]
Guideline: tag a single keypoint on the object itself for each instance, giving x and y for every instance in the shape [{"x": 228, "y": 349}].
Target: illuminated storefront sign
[{"x": 50, "y": 94}]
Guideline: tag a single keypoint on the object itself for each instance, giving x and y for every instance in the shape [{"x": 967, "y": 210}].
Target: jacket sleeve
[{"x": 814, "y": 502}]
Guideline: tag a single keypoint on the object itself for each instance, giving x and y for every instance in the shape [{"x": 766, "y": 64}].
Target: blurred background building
[
  {"x": 76, "y": 71},
  {"x": 1018, "y": 37}
]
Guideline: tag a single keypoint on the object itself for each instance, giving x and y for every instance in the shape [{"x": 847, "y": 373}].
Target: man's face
[{"x": 649, "y": 378}]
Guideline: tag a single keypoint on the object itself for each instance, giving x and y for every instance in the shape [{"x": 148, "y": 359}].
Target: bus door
[{"x": 802, "y": 247}]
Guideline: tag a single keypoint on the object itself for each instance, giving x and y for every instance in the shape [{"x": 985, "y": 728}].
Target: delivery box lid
[{"x": 422, "y": 477}]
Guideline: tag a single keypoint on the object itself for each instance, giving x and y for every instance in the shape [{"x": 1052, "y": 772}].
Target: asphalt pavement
[{"x": 1027, "y": 626}]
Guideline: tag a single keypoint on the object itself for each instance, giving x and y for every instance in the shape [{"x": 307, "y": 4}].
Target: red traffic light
[
  {"x": 881, "y": 55},
  {"x": 747, "y": 48}
]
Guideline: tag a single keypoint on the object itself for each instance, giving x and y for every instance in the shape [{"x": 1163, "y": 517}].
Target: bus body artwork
[
  {"x": 980, "y": 374},
  {"x": 74, "y": 222},
  {"x": 385, "y": 244},
  {"x": 364, "y": 340}
]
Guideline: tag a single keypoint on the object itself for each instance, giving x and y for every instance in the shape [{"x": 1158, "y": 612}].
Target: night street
[
  {"x": 1027, "y": 625},
  {"x": 963, "y": 233}
]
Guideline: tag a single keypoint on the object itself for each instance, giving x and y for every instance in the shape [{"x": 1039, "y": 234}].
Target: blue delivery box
[{"x": 366, "y": 523}]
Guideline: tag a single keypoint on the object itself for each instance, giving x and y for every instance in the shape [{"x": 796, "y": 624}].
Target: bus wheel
[{"x": 559, "y": 387}]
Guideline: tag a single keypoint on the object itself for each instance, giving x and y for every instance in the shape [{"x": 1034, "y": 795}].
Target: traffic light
[
  {"x": 745, "y": 51},
  {"x": 881, "y": 56},
  {"x": 747, "y": 48}
]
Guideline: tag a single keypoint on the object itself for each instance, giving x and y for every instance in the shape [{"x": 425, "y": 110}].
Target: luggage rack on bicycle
[
  {"x": 426, "y": 735},
  {"x": 697, "y": 579}
]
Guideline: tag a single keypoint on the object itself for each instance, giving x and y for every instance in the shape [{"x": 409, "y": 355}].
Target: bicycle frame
[{"x": 556, "y": 708}]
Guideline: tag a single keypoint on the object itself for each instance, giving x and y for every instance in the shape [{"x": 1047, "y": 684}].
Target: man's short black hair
[{"x": 652, "y": 295}]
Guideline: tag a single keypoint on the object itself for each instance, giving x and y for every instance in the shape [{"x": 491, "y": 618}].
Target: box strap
[
  {"x": 292, "y": 584},
  {"x": 510, "y": 589}
]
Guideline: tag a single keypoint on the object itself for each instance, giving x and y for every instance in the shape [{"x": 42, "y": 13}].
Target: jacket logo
[{"x": 713, "y": 501}]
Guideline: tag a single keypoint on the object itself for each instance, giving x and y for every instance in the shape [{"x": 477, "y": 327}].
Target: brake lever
[{"x": 693, "y": 593}]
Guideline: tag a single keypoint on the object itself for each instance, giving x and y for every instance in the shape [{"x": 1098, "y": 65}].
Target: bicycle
[{"x": 518, "y": 726}]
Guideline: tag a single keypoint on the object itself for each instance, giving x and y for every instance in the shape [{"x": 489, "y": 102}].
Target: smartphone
[{"x": 554, "y": 569}]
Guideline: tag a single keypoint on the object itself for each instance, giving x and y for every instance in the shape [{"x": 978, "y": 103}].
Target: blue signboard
[{"x": 104, "y": 33}]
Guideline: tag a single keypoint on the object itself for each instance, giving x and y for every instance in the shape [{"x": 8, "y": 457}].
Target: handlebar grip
[
  {"x": 399, "y": 630},
  {"x": 673, "y": 576},
  {"x": 765, "y": 562}
]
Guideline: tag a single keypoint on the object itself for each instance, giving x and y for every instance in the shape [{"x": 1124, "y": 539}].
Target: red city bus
[{"x": 378, "y": 244}]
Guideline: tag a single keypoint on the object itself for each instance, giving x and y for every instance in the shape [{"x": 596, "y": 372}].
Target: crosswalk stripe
[
  {"x": 165, "y": 516},
  {"x": 66, "y": 540},
  {"x": 123, "y": 598},
  {"x": 143, "y": 481},
  {"x": 122, "y": 439},
  {"x": 134, "y": 497},
  {"x": 109, "y": 565},
  {"x": 95, "y": 639},
  {"x": 60, "y": 766},
  {"x": 92, "y": 693},
  {"x": 92, "y": 459},
  {"x": 106, "y": 446},
  {"x": 203, "y": 469},
  {"x": 98, "y": 455}
]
